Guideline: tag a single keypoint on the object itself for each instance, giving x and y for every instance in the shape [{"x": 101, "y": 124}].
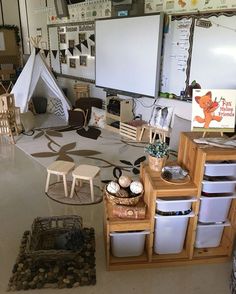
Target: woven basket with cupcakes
[{"x": 124, "y": 191}]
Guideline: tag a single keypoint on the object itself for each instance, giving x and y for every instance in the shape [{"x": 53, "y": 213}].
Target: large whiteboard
[
  {"x": 213, "y": 63},
  {"x": 210, "y": 52},
  {"x": 128, "y": 54}
]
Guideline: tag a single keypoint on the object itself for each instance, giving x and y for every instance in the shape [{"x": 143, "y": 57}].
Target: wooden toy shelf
[
  {"x": 126, "y": 113},
  {"x": 192, "y": 157}
]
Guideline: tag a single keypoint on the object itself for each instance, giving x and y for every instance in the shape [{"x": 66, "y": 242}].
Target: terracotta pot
[{"x": 156, "y": 164}]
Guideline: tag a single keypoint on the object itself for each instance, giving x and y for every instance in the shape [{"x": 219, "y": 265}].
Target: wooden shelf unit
[
  {"x": 126, "y": 113},
  {"x": 193, "y": 157}
]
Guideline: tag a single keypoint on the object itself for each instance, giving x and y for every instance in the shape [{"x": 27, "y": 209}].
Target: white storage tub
[
  {"x": 174, "y": 203},
  {"x": 220, "y": 169},
  {"x": 170, "y": 232},
  {"x": 226, "y": 186},
  {"x": 214, "y": 209},
  {"x": 124, "y": 244},
  {"x": 209, "y": 235}
]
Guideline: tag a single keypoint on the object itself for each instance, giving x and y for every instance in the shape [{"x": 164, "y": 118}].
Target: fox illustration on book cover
[{"x": 208, "y": 106}]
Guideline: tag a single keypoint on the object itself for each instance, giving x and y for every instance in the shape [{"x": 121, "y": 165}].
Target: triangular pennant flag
[
  {"x": 78, "y": 46},
  {"x": 63, "y": 52},
  {"x": 46, "y": 51},
  {"x": 71, "y": 50},
  {"x": 92, "y": 37},
  {"x": 85, "y": 43},
  {"x": 54, "y": 52},
  {"x": 37, "y": 50}
]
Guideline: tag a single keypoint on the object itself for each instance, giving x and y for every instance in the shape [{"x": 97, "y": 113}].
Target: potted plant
[{"x": 157, "y": 154}]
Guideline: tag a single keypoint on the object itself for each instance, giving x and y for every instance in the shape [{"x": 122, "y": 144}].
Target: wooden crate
[
  {"x": 81, "y": 90},
  {"x": 131, "y": 132},
  {"x": 7, "y": 102}
]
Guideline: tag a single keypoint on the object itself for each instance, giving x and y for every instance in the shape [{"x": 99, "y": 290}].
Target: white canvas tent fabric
[{"x": 37, "y": 71}]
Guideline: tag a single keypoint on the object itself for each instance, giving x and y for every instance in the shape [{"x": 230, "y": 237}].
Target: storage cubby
[
  {"x": 121, "y": 112},
  {"x": 200, "y": 242}
]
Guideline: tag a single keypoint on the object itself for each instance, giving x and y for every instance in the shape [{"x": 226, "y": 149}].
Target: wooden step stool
[
  {"x": 85, "y": 172},
  {"x": 59, "y": 168}
]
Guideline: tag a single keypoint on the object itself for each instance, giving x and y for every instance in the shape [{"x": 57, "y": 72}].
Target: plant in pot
[{"x": 158, "y": 152}]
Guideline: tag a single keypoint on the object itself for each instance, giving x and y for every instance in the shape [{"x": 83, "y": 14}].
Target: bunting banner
[
  {"x": 46, "y": 51},
  {"x": 63, "y": 52},
  {"x": 37, "y": 50},
  {"x": 78, "y": 46},
  {"x": 54, "y": 52},
  {"x": 85, "y": 43},
  {"x": 92, "y": 37},
  {"x": 71, "y": 50}
]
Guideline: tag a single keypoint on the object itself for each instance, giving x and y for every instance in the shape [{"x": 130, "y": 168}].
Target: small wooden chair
[
  {"x": 85, "y": 172},
  {"x": 59, "y": 168},
  {"x": 6, "y": 125}
]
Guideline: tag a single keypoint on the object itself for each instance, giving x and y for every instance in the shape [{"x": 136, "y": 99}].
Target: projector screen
[{"x": 128, "y": 54}]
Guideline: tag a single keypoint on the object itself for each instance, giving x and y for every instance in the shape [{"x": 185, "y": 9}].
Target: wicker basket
[
  {"x": 44, "y": 232},
  {"x": 131, "y": 201}
]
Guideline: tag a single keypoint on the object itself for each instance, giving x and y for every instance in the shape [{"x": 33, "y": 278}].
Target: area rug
[
  {"x": 37, "y": 272},
  {"x": 81, "y": 194},
  {"x": 107, "y": 152}
]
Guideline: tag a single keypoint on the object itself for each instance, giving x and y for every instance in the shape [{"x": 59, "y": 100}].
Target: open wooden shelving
[{"x": 192, "y": 157}]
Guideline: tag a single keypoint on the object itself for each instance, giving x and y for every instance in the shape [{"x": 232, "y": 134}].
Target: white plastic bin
[
  {"x": 124, "y": 244},
  {"x": 218, "y": 187},
  {"x": 174, "y": 203},
  {"x": 220, "y": 169},
  {"x": 209, "y": 235},
  {"x": 214, "y": 209},
  {"x": 170, "y": 232}
]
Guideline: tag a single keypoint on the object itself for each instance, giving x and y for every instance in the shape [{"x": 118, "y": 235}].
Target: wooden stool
[
  {"x": 85, "y": 172},
  {"x": 59, "y": 168}
]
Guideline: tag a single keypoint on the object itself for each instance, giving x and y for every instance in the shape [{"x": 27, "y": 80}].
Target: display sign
[{"x": 213, "y": 110}]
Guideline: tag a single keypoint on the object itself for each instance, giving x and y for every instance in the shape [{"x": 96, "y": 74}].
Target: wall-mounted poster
[
  {"x": 213, "y": 110},
  {"x": 92, "y": 50},
  {"x": 71, "y": 43},
  {"x": 64, "y": 59},
  {"x": 62, "y": 38},
  {"x": 83, "y": 60},
  {"x": 82, "y": 37},
  {"x": 72, "y": 62}
]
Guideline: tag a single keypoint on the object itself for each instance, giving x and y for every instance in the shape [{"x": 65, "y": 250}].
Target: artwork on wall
[
  {"x": 71, "y": 43},
  {"x": 82, "y": 37},
  {"x": 213, "y": 110},
  {"x": 72, "y": 63},
  {"x": 62, "y": 38},
  {"x": 83, "y": 60},
  {"x": 64, "y": 59},
  {"x": 92, "y": 50}
]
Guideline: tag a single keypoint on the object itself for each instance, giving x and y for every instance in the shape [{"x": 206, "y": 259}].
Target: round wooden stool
[
  {"x": 59, "y": 168},
  {"x": 85, "y": 172}
]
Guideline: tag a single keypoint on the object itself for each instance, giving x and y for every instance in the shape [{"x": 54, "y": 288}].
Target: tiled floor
[{"x": 22, "y": 198}]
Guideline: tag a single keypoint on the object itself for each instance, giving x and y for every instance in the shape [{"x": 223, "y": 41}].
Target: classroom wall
[
  {"x": 9, "y": 12},
  {"x": 36, "y": 14}
]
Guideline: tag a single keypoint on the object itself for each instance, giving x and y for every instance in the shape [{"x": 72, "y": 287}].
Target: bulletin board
[
  {"x": 201, "y": 48},
  {"x": 72, "y": 50},
  {"x": 9, "y": 53}
]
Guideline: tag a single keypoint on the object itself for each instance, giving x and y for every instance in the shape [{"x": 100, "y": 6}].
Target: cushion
[
  {"x": 51, "y": 104},
  {"x": 76, "y": 117},
  {"x": 161, "y": 117},
  {"x": 27, "y": 121},
  {"x": 40, "y": 104},
  {"x": 98, "y": 118},
  {"x": 180, "y": 125}
]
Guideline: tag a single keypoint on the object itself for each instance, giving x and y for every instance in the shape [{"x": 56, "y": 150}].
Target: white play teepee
[{"x": 36, "y": 77}]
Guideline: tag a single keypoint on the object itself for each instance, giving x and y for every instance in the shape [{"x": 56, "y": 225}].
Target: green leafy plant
[{"x": 157, "y": 149}]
